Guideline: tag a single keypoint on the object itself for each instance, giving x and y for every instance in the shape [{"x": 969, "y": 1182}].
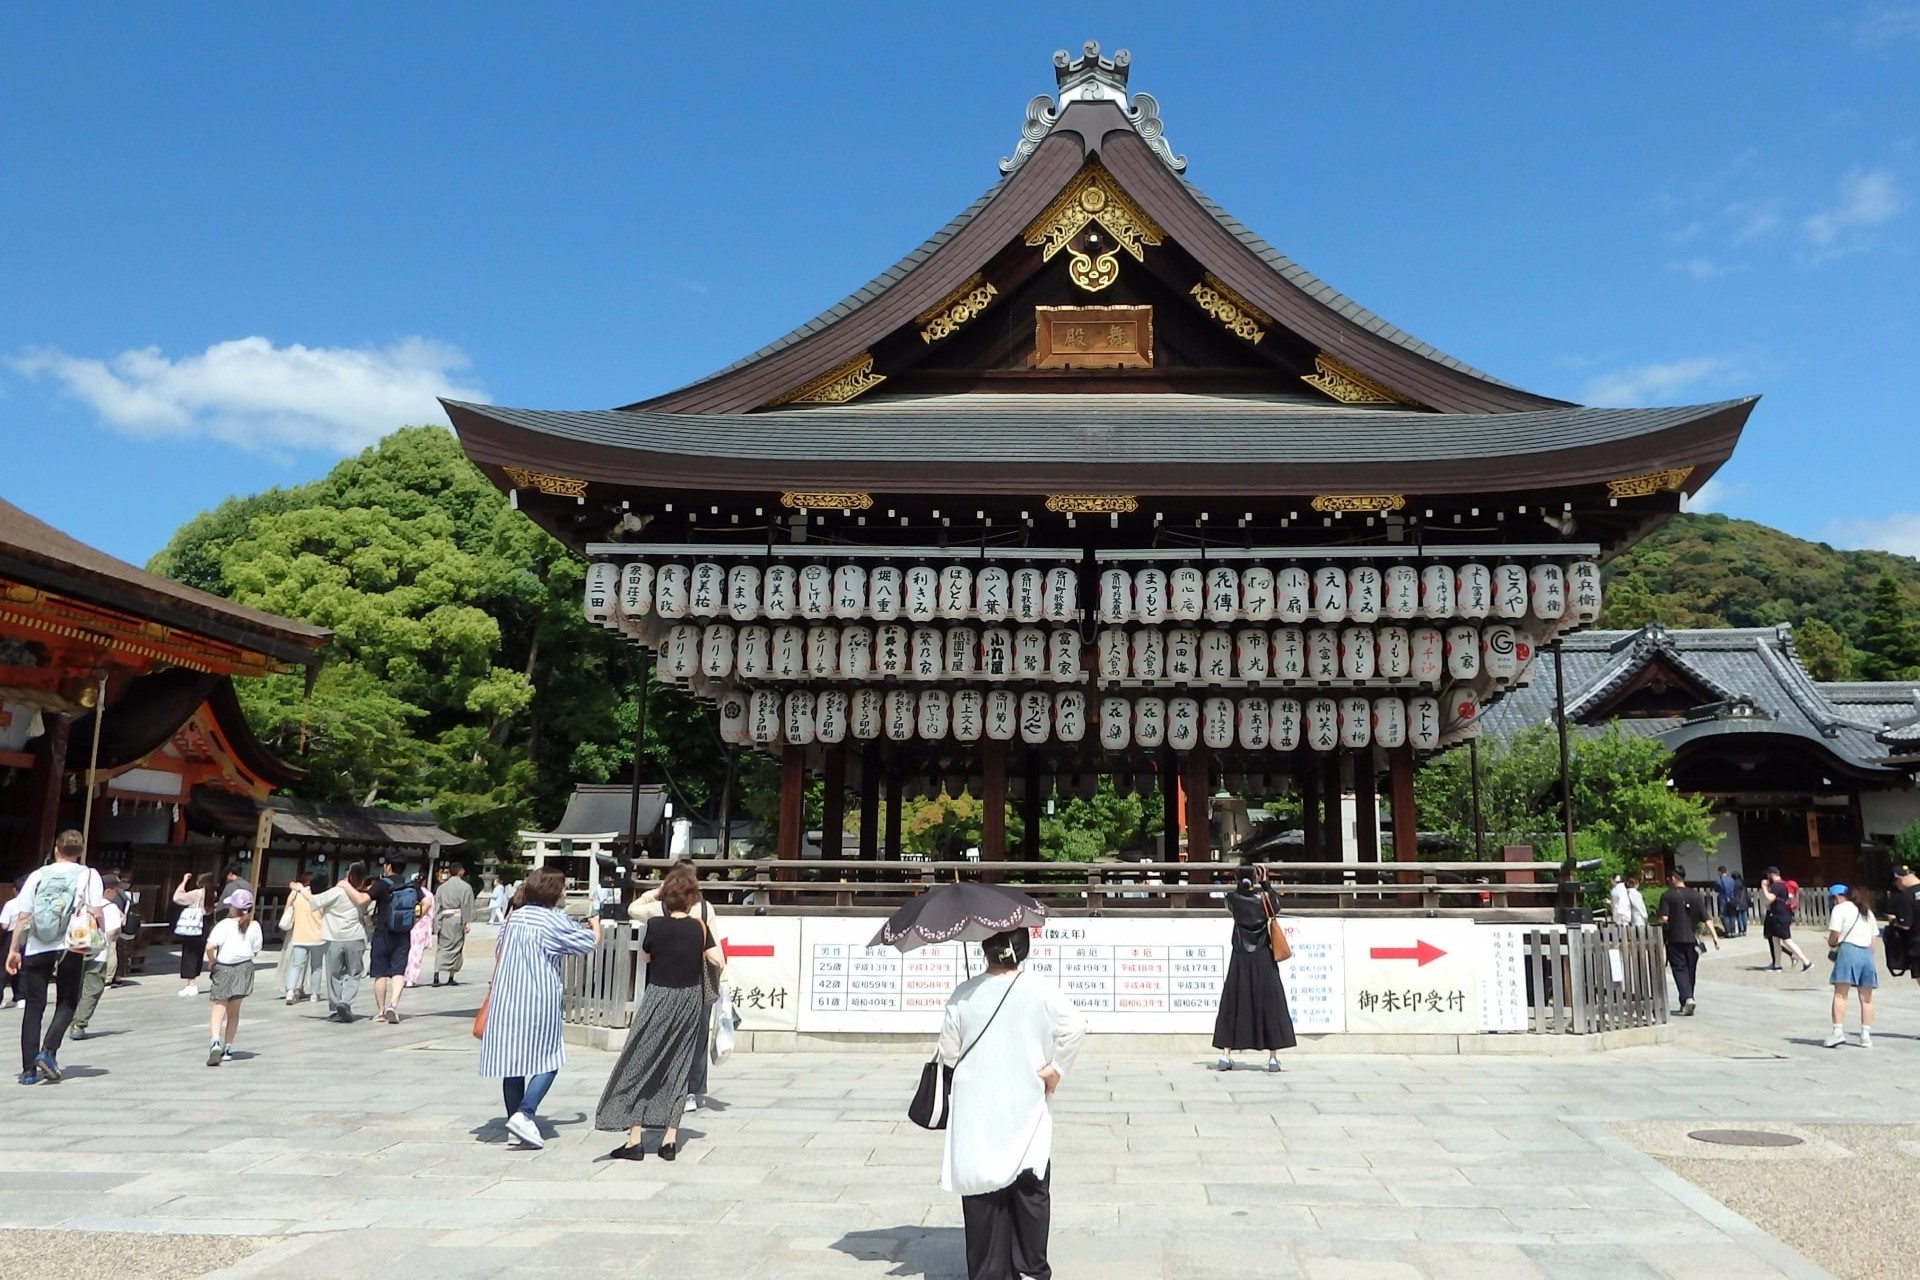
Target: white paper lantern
[
  {"x": 1473, "y": 591},
  {"x": 996, "y": 654},
  {"x": 1525, "y": 649},
  {"x": 1063, "y": 595},
  {"x": 1030, "y": 653},
  {"x": 1393, "y": 652},
  {"x": 1150, "y": 596},
  {"x": 927, "y": 657},
  {"x": 849, "y": 591},
  {"x": 884, "y": 593},
  {"x": 1509, "y": 591},
  {"x": 890, "y": 655},
  {"x": 823, "y": 652},
  {"x": 1289, "y": 654},
  {"x": 1150, "y": 722},
  {"x": 789, "y": 652},
  {"x": 1548, "y": 588},
  {"x": 670, "y": 591},
  {"x": 1183, "y": 723},
  {"x": 1036, "y": 717},
  {"x": 1003, "y": 714},
  {"x": 1356, "y": 723},
  {"x": 1423, "y": 723},
  {"x": 1111, "y": 652},
  {"x": 1429, "y": 654},
  {"x": 636, "y": 590},
  {"x": 1460, "y": 714},
  {"x": 743, "y": 593},
  {"x": 969, "y": 714},
  {"x": 1116, "y": 724},
  {"x": 1029, "y": 593},
  {"x": 1583, "y": 590},
  {"x": 681, "y": 657},
  {"x": 1436, "y": 591},
  {"x": 1293, "y": 594},
  {"x": 1323, "y": 654},
  {"x": 798, "y": 726},
  {"x": 603, "y": 590},
  {"x": 753, "y": 656},
  {"x": 864, "y": 713},
  {"x": 856, "y": 652},
  {"x": 1252, "y": 652},
  {"x": 1400, "y": 591},
  {"x": 1183, "y": 655},
  {"x": 779, "y": 592},
  {"x": 956, "y": 591},
  {"x": 707, "y": 594},
  {"x": 1363, "y": 594},
  {"x": 1216, "y": 657},
  {"x": 963, "y": 651},
  {"x": 1463, "y": 652},
  {"x": 901, "y": 715},
  {"x": 1389, "y": 722},
  {"x": 1251, "y": 719},
  {"x": 735, "y": 726},
  {"x": 1186, "y": 594},
  {"x": 1330, "y": 593},
  {"x": 764, "y": 714},
  {"x": 935, "y": 714},
  {"x": 1322, "y": 717},
  {"x": 830, "y": 716},
  {"x": 1063, "y": 656},
  {"x": 1069, "y": 715},
  {"x": 992, "y": 593},
  {"x": 1116, "y": 595},
  {"x": 1500, "y": 652},
  {"x": 1256, "y": 594},
  {"x": 1223, "y": 594},
  {"x": 716, "y": 651},
  {"x": 1357, "y": 657},
  {"x": 920, "y": 598},
  {"x": 1149, "y": 655},
  {"x": 816, "y": 592},
  {"x": 1283, "y": 724},
  {"x": 1216, "y": 723}
]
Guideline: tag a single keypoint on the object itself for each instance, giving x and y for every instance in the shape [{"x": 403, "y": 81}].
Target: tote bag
[{"x": 933, "y": 1101}]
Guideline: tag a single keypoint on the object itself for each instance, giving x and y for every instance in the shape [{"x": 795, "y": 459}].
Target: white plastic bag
[{"x": 720, "y": 1043}]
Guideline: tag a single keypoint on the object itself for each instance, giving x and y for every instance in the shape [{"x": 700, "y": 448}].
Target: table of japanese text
[
  {"x": 1131, "y": 977},
  {"x": 882, "y": 980}
]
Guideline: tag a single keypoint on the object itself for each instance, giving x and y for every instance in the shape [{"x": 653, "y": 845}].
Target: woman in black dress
[
  {"x": 1253, "y": 1005},
  {"x": 654, "y": 1077}
]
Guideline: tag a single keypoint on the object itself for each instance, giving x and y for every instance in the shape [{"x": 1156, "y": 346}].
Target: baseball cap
[
  {"x": 110, "y": 881},
  {"x": 1837, "y": 890},
  {"x": 240, "y": 900}
]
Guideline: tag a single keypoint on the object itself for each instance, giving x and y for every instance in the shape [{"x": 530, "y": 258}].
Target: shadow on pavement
[{"x": 931, "y": 1253}]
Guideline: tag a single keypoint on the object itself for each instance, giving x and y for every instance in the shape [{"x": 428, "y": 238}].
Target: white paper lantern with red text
[
  {"x": 1429, "y": 654},
  {"x": 1400, "y": 591}
]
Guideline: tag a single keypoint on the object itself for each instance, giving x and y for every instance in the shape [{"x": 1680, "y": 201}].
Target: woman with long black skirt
[{"x": 1253, "y": 1005}]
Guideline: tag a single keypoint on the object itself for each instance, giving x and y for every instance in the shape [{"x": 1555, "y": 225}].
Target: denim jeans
[{"x": 305, "y": 967}]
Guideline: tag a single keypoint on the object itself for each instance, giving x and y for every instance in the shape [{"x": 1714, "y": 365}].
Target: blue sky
[{"x": 239, "y": 242}]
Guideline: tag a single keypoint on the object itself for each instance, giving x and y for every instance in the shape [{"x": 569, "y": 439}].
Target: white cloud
[
  {"x": 1896, "y": 533},
  {"x": 1660, "y": 382},
  {"x": 1705, "y": 268},
  {"x": 1882, "y": 26},
  {"x": 1712, "y": 496},
  {"x": 251, "y": 393},
  {"x": 1867, "y": 198}
]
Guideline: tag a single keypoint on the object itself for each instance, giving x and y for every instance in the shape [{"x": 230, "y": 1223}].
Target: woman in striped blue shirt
[{"x": 521, "y": 1045}]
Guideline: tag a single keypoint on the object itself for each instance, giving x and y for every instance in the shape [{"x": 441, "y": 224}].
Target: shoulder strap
[{"x": 983, "y": 1031}]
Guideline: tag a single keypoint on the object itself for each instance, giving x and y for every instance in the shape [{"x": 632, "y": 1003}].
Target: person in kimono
[{"x": 1010, "y": 1037}]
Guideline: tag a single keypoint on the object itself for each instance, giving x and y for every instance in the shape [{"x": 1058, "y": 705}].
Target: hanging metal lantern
[
  {"x": 1363, "y": 593},
  {"x": 1429, "y": 654},
  {"x": 603, "y": 587},
  {"x": 779, "y": 592},
  {"x": 670, "y": 591}
]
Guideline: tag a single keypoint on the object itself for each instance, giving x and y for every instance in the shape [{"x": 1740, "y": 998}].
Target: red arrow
[
  {"x": 729, "y": 950},
  {"x": 1423, "y": 952}
]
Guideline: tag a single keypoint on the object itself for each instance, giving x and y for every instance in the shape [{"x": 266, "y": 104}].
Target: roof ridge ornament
[{"x": 1092, "y": 78}]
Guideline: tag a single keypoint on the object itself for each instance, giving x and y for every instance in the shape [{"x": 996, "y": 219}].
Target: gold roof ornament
[
  {"x": 826, "y": 500},
  {"x": 1347, "y": 384},
  {"x": 837, "y": 385},
  {"x": 1363, "y": 502},
  {"x": 1092, "y": 504},
  {"x": 946, "y": 317},
  {"x": 545, "y": 482},
  {"x": 1652, "y": 482},
  {"x": 1095, "y": 200},
  {"x": 1236, "y": 315}
]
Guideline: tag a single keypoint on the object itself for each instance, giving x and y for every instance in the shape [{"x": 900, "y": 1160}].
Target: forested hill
[{"x": 1713, "y": 571}]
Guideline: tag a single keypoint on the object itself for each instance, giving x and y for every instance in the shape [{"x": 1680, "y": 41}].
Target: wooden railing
[
  {"x": 598, "y": 989},
  {"x": 1583, "y": 981}
]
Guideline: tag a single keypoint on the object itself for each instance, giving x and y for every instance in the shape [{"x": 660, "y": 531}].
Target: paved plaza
[{"x": 329, "y": 1151}]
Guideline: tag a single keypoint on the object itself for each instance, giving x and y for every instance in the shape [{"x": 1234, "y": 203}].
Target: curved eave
[
  {"x": 1709, "y": 738},
  {"x": 1138, "y": 450}
]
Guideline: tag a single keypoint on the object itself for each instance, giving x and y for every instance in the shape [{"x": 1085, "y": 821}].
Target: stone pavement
[{"x": 374, "y": 1150}]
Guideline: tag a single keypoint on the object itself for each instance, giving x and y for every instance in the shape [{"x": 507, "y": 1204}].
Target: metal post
[
  {"x": 1568, "y": 896},
  {"x": 93, "y": 769},
  {"x": 1479, "y": 825}
]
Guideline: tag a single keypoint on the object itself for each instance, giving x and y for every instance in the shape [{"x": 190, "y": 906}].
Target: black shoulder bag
[{"x": 933, "y": 1101}]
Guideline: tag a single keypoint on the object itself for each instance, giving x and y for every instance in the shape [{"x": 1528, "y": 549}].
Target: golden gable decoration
[
  {"x": 1092, "y": 504},
  {"x": 1095, "y": 200},
  {"x": 1362, "y": 502},
  {"x": 545, "y": 482},
  {"x": 826, "y": 500},
  {"x": 1653, "y": 482},
  {"x": 956, "y": 309},
  {"x": 837, "y": 385},
  {"x": 1236, "y": 315},
  {"x": 1347, "y": 384}
]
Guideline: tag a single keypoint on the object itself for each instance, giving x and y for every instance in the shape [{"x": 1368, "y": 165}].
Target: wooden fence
[
  {"x": 1583, "y": 981},
  {"x": 598, "y": 988}
]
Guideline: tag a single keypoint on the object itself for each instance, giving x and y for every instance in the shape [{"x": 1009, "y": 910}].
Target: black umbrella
[{"x": 958, "y": 913}]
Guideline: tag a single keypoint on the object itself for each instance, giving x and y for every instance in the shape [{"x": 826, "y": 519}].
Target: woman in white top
[
  {"x": 1850, "y": 933},
  {"x": 1010, "y": 1037},
  {"x": 231, "y": 948},
  {"x": 344, "y": 930}
]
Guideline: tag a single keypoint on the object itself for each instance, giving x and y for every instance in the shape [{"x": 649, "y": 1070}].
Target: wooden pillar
[
  {"x": 833, "y": 804},
  {"x": 793, "y": 808},
  {"x": 993, "y": 801},
  {"x": 49, "y": 773},
  {"x": 894, "y": 785},
  {"x": 1406, "y": 828},
  {"x": 1030, "y": 811},
  {"x": 1307, "y": 782},
  {"x": 1196, "y": 781},
  {"x": 1366, "y": 810},
  {"x": 1169, "y": 807},
  {"x": 870, "y": 805}
]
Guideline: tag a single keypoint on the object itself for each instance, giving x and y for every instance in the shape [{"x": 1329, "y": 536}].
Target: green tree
[
  {"x": 1906, "y": 846},
  {"x": 1823, "y": 651},
  {"x": 1890, "y": 640}
]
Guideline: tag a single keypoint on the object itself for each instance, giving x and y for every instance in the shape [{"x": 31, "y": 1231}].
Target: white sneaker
[
  {"x": 521, "y": 1126},
  {"x": 693, "y": 1102},
  {"x": 187, "y": 993},
  {"x": 1866, "y": 1038},
  {"x": 1834, "y": 1040}
]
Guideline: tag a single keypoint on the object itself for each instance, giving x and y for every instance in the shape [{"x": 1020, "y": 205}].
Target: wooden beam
[
  {"x": 1406, "y": 829},
  {"x": 43, "y": 807},
  {"x": 793, "y": 806},
  {"x": 993, "y": 802},
  {"x": 1366, "y": 809}
]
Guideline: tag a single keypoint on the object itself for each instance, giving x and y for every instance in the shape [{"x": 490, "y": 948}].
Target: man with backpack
[
  {"x": 61, "y": 924},
  {"x": 396, "y": 905}
]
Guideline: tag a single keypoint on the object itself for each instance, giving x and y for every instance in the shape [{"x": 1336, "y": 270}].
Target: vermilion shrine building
[{"x": 1096, "y": 482}]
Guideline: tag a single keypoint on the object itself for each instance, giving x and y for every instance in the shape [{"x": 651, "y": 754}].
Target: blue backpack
[{"x": 401, "y": 908}]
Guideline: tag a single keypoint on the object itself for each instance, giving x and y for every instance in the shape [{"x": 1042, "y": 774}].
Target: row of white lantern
[
  {"x": 790, "y": 652},
  {"x": 802, "y": 717},
  {"x": 1323, "y": 654},
  {"x": 923, "y": 593},
  {"x": 1363, "y": 593}
]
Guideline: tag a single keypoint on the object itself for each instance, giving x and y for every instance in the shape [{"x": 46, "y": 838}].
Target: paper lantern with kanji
[
  {"x": 963, "y": 651},
  {"x": 865, "y": 711},
  {"x": 1547, "y": 585},
  {"x": 1216, "y": 723},
  {"x": 890, "y": 656},
  {"x": 707, "y": 592},
  {"x": 603, "y": 590},
  {"x": 1250, "y": 722},
  {"x": 1036, "y": 717},
  {"x": 926, "y": 654},
  {"x": 935, "y": 714},
  {"x": 1183, "y": 655},
  {"x": 779, "y": 592},
  {"x": 1356, "y": 723},
  {"x": 1292, "y": 594},
  {"x": 1400, "y": 592},
  {"x": 1186, "y": 594},
  {"x": 1389, "y": 722},
  {"x": 1429, "y": 654},
  {"x": 1183, "y": 723},
  {"x": 681, "y": 657},
  {"x": 1357, "y": 653},
  {"x": 1473, "y": 591},
  {"x": 901, "y": 714},
  {"x": 920, "y": 593},
  {"x": 1216, "y": 656},
  {"x": 1069, "y": 715},
  {"x": 1110, "y": 648},
  {"x": 1150, "y": 722},
  {"x": 1063, "y": 595},
  {"x": 849, "y": 591},
  {"x": 716, "y": 651},
  {"x": 1330, "y": 593},
  {"x": 1463, "y": 652},
  {"x": 1363, "y": 594},
  {"x": 636, "y": 590},
  {"x": 830, "y": 716},
  {"x": 1510, "y": 591},
  {"x": 1149, "y": 655},
  {"x": 798, "y": 725},
  {"x": 1116, "y": 596},
  {"x": 1393, "y": 653},
  {"x": 1583, "y": 591},
  {"x": 670, "y": 591},
  {"x": 1252, "y": 654},
  {"x": 1289, "y": 654},
  {"x": 1256, "y": 594},
  {"x": 1436, "y": 591},
  {"x": 743, "y": 593},
  {"x": 1283, "y": 724},
  {"x": 956, "y": 592},
  {"x": 1030, "y": 653},
  {"x": 1116, "y": 724},
  {"x": 1323, "y": 654},
  {"x": 969, "y": 714},
  {"x": 1063, "y": 655},
  {"x": 1322, "y": 719},
  {"x": 1423, "y": 723},
  {"x": 884, "y": 593},
  {"x": 992, "y": 594},
  {"x": 1223, "y": 594},
  {"x": 823, "y": 652},
  {"x": 1003, "y": 714},
  {"x": 753, "y": 654},
  {"x": 1027, "y": 595},
  {"x": 764, "y": 714},
  {"x": 815, "y": 592},
  {"x": 1150, "y": 596}
]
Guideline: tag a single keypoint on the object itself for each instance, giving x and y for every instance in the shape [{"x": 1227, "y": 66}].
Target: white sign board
[
  {"x": 1412, "y": 976},
  {"x": 763, "y": 970},
  {"x": 1137, "y": 975},
  {"x": 845, "y": 985},
  {"x": 1503, "y": 976},
  {"x": 1315, "y": 975}
]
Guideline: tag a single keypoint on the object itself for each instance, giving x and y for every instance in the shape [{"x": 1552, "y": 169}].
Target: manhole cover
[{"x": 1745, "y": 1138}]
